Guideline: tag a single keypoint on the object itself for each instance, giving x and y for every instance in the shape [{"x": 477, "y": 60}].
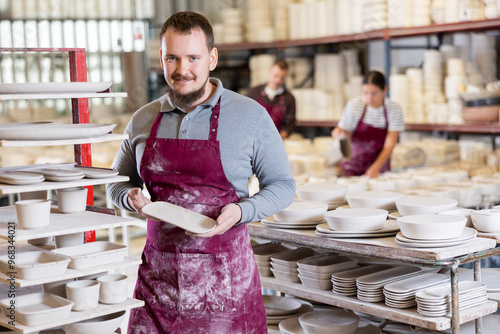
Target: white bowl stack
[
  {"x": 259, "y": 68},
  {"x": 436, "y": 301},
  {"x": 284, "y": 264},
  {"x": 416, "y": 94},
  {"x": 491, "y": 9},
  {"x": 356, "y": 10},
  {"x": 451, "y": 11},
  {"x": 401, "y": 294},
  {"x": 438, "y": 11},
  {"x": 374, "y": 14},
  {"x": 470, "y": 10},
  {"x": 399, "y": 13},
  {"x": 385, "y": 200},
  {"x": 344, "y": 282},
  {"x": 400, "y": 93},
  {"x": 259, "y": 22},
  {"x": 316, "y": 271},
  {"x": 433, "y": 78},
  {"x": 344, "y": 17},
  {"x": 299, "y": 215},
  {"x": 421, "y": 12},
  {"x": 233, "y": 25}
]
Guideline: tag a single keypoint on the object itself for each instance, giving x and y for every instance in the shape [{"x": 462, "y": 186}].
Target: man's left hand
[{"x": 229, "y": 216}]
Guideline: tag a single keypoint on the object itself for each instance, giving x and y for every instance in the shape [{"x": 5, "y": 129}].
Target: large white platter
[
  {"x": 186, "y": 219},
  {"x": 54, "y": 131},
  {"x": 53, "y": 87}
]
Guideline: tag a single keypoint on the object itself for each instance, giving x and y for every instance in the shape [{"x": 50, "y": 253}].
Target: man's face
[
  {"x": 186, "y": 63},
  {"x": 277, "y": 77}
]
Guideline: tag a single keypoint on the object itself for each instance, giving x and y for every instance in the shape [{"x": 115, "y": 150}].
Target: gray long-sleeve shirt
[{"x": 249, "y": 144}]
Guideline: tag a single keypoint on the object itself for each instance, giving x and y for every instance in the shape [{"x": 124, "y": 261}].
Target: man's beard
[{"x": 184, "y": 100}]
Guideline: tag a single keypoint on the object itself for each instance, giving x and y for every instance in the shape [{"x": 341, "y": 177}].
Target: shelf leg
[
  {"x": 455, "y": 314},
  {"x": 477, "y": 277}
]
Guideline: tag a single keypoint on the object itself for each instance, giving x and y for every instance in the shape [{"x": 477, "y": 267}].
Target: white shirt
[{"x": 373, "y": 116}]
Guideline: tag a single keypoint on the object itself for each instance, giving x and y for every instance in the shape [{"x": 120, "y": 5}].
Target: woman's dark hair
[
  {"x": 375, "y": 78},
  {"x": 184, "y": 22}
]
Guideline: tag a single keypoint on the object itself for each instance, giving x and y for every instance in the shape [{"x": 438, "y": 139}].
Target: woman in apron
[{"x": 373, "y": 125}]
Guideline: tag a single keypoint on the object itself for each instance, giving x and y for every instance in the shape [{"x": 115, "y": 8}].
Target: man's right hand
[{"x": 137, "y": 200}]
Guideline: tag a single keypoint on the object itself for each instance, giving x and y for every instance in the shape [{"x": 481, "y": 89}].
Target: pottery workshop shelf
[
  {"x": 6, "y": 97},
  {"x": 100, "y": 310},
  {"x": 51, "y": 185},
  {"x": 409, "y": 316},
  {"x": 33, "y": 143}
]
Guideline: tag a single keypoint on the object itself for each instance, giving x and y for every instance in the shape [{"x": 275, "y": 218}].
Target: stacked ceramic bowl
[
  {"x": 373, "y": 199},
  {"x": 433, "y": 76},
  {"x": 374, "y": 14},
  {"x": 399, "y": 13},
  {"x": 400, "y": 94},
  {"x": 421, "y": 13},
  {"x": 487, "y": 220},
  {"x": 299, "y": 215},
  {"x": 260, "y": 22},
  {"x": 292, "y": 326},
  {"x": 280, "y": 308},
  {"x": 436, "y": 301},
  {"x": 284, "y": 264},
  {"x": 331, "y": 194},
  {"x": 233, "y": 25},
  {"x": 371, "y": 286},
  {"x": 344, "y": 282},
  {"x": 401, "y": 294},
  {"x": 416, "y": 96},
  {"x": 329, "y": 321},
  {"x": 316, "y": 271},
  {"x": 263, "y": 254},
  {"x": 415, "y": 205}
]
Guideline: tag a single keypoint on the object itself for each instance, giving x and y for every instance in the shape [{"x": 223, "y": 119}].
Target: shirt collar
[{"x": 167, "y": 105}]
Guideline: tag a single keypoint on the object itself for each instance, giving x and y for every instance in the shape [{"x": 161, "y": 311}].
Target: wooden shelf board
[
  {"x": 409, "y": 316},
  {"x": 59, "y": 142},
  {"x": 51, "y": 185},
  {"x": 486, "y": 128},
  {"x": 100, "y": 310},
  {"x": 6, "y": 97},
  {"x": 61, "y": 223},
  {"x": 371, "y": 247},
  {"x": 324, "y": 124},
  {"x": 73, "y": 273}
]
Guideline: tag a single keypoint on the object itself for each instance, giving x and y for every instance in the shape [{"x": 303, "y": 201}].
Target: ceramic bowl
[
  {"x": 321, "y": 284},
  {"x": 70, "y": 200},
  {"x": 114, "y": 288},
  {"x": 373, "y": 199},
  {"x": 302, "y": 211},
  {"x": 322, "y": 192},
  {"x": 33, "y": 213},
  {"x": 486, "y": 220},
  {"x": 67, "y": 240},
  {"x": 464, "y": 212},
  {"x": 103, "y": 324},
  {"x": 432, "y": 227},
  {"x": 422, "y": 205},
  {"x": 84, "y": 294},
  {"x": 335, "y": 321},
  {"x": 360, "y": 219}
]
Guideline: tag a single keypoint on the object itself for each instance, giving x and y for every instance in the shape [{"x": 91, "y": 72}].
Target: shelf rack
[{"x": 386, "y": 249}]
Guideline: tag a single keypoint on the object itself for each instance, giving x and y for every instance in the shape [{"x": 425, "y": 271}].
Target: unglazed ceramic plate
[
  {"x": 20, "y": 178},
  {"x": 54, "y": 131},
  {"x": 96, "y": 173},
  {"x": 389, "y": 226},
  {"x": 276, "y": 305},
  {"x": 54, "y": 87},
  {"x": 186, "y": 219},
  {"x": 304, "y": 308}
]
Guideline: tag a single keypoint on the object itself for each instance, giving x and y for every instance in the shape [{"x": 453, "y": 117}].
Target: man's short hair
[
  {"x": 281, "y": 64},
  {"x": 185, "y": 22}
]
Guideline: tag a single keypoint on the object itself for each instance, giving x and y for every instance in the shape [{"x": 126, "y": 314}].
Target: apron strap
[
  {"x": 214, "y": 122},
  {"x": 156, "y": 125},
  {"x": 385, "y": 116}
]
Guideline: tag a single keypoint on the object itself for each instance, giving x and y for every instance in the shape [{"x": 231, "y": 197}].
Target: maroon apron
[
  {"x": 366, "y": 144},
  {"x": 276, "y": 111},
  {"x": 191, "y": 284}
]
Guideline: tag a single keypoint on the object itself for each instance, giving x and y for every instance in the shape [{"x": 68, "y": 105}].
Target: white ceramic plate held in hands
[{"x": 179, "y": 216}]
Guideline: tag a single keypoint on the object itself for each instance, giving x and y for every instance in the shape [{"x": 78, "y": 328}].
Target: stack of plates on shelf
[
  {"x": 59, "y": 174},
  {"x": 316, "y": 271},
  {"x": 436, "y": 301},
  {"x": 421, "y": 13},
  {"x": 373, "y": 199},
  {"x": 361, "y": 219},
  {"x": 330, "y": 193},
  {"x": 292, "y": 326},
  {"x": 468, "y": 235},
  {"x": 26, "y": 131},
  {"x": 344, "y": 282},
  {"x": 374, "y": 15},
  {"x": 20, "y": 178},
  {"x": 263, "y": 253},
  {"x": 371, "y": 286},
  {"x": 284, "y": 264},
  {"x": 281, "y": 308},
  {"x": 54, "y": 87},
  {"x": 299, "y": 215},
  {"x": 390, "y": 228},
  {"x": 401, "y": 294}
]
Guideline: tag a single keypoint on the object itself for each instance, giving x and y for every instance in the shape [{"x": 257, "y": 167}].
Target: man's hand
[
  {"x": 229, "y": 216},
  {"x": 137, "y": 200}
]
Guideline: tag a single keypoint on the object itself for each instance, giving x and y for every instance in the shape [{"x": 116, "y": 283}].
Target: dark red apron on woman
[
  {"x": 366, "y": 144},
  {"x": 191, "y": 284},
  {"x": 276, "y": 111}
]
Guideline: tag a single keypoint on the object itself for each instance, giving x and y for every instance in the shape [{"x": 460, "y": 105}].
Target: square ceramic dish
[
  {"x": 93, "y": 254},
  {"x": 326, "y": 263},
  {"x": 39, "y": 308},
  {"x": 36, "y": 264}
]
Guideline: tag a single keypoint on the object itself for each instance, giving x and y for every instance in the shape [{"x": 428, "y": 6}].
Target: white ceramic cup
[
  {"x": 67, "y": 240},
  {"x": 114, "y": 288},
  {"x": 70, "y": 200},
  {"x": 84, "y": 294},
  {"x": 33, "y": 213}
]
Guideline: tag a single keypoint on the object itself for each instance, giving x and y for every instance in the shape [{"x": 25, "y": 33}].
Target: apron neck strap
[{"x": 385, "y": 115}]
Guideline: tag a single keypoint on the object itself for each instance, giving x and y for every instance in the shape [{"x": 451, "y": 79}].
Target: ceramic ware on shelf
[
  {"x": 304, "y": 308},
  {"x": 35, "y": 264},
  {"x": 102, "y": 324},
  {"x": 271, "y": 222},
  {"x": 322, "y": 192},
  {"x": 54, "y": 87},
  {"x": 431, "y": 227},
  {"x": 93, "y": 254},
  {"x": 55, "y": 131},
  {"x": 302, "y": 211},
  {"x": 326, "y": 263},
  {"x": 67, "y": 240},
  {"x": 468, "y": 235},
  {"x": 464, "y": 212},
  {"x": 344, "y": 282},
  {"x": 487, "y": 220},
  {"x": 390, "y": 228},
  {"x": 329, "y": 321},
  {"x": 264, "y": 252},
  {"x": 360, "y": 219},
  {"x": 417, "y": 205},
  {"x": 373, "y": 199},
  {"x": 84, "y": 294},
  {"x": 279, "y": 306},
  {"x": 32, "y": 214},
  {"x": 71, "y": 200}
]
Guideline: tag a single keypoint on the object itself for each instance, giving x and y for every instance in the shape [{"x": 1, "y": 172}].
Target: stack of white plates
[
  {"x": 292, "y": 326},
  {"x": 433, "y": 76},
  {"x": 471, "y": 10},
  {"x": 374, "y": 14},
  {"x": 371, "y": 286},
  {"x": 281, "y": 308},
  {"x": 260, "y": 21},
  {"x": 263, "y": 253},
  {"x": 491, "y": 9},
  {"x": 421, "y": 12},
  {"x": 259, "y": 68},
  {"x": 402, "y": 294},
  {"x": 344, "y": 18},
  {"x": 284, "y": 264},
  {"x": 400, "y": 94},
  {"x": 344, "y": 282},
  {"x": 21, "y": 178},
  {"x": 390, "y": 228},
  {"x": 315, "y": 272},
  {"x": 299, "y": 215},
  {"x": 437, "y": 11},
  {"x": 399, "y": 13},
  {"x": 436, "y": 301},
  {"x": 233, "y": 25},
  {"x": 331, "y": 194},
  {"x": 468, "y": 235},
  {"x": 416, "y": 94},
  {"x": 451, "y": 11},
  {"x": 281, "y": 18}
]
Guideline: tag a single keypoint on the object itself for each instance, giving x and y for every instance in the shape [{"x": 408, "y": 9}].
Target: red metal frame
[{"x": 80, "y": 108}]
